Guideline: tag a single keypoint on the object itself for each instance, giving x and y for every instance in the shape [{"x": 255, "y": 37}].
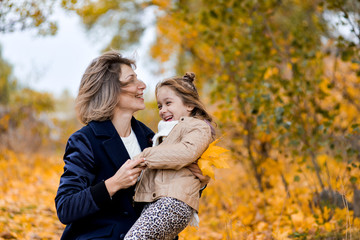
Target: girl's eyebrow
[{"x": 165, "y": 99}]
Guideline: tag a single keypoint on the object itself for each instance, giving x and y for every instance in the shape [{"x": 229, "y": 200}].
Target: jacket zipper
[{"x": 138, "y": 183}]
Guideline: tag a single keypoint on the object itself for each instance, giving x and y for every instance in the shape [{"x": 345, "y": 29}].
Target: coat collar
[
  {"x": 107, "y": 129},
  {"x": 103, "y": 128},
  {"x": 112, "y": 142}
]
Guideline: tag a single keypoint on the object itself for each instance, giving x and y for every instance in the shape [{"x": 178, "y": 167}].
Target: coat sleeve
[
  {"x": 195, "y": 139},
  {"x": 74, "y": 198}
]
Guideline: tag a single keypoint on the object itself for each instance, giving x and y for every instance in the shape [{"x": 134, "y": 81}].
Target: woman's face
[
  {"x": 131, "y": 95},
  {"x": 171, "y": 106}
]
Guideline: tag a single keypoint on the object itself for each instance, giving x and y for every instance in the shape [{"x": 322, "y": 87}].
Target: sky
[{"x": 56, "y": 63}]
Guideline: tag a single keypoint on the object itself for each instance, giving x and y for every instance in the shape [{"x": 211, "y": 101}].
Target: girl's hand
[
  {"x": 194, "y": 168},
  {"x": 125, "y": 177}
]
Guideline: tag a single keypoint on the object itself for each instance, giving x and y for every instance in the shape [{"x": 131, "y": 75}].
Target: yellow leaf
[
  {"x": 214, "y": 156},
  {"x": 206, "y": 168},
  {"x": 297, "y": 218},
  {"x": 329, "y": 227}
]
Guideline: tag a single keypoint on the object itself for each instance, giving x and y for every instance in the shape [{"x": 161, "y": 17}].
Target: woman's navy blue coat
[{"x": 94, "y": 154}]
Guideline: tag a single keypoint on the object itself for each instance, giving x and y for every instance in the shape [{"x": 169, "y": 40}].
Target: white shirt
[{"x": 131, "y": 144}]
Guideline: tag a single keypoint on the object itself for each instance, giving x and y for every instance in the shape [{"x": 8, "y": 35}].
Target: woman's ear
[{"x": 189, "y": 108}]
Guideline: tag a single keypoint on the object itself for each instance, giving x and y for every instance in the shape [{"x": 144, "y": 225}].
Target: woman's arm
[
  {"x": 77, "y": 196},
  {"x": 125, "y": 177},
  {"x": 74, "y": 200},
  {"x": 195, "y": 140}
]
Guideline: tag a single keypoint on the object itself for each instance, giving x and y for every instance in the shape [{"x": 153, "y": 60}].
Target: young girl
[{"x": 171, "y": 190}]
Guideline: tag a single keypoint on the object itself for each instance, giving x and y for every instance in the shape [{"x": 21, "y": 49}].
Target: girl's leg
[{"x": 162, "y": 219}]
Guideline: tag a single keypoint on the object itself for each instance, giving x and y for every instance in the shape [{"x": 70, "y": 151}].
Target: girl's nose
[{"x": 162, "y": 110}]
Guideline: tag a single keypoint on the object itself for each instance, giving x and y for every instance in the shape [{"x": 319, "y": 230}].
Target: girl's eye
[
  {"x": 168, "y": 103},
  {"x": 159, "y": 107}
]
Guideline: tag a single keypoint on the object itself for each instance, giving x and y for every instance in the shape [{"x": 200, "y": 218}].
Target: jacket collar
[
  {"x": 103, "y": 128},
  {"x": 107, "y": 129},
  {"x": 113, "y": 144}
]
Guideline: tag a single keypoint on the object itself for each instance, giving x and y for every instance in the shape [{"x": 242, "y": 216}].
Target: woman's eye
[{"x": 129, "y": 82}]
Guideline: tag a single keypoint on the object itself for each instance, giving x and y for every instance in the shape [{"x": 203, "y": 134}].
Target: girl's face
[
  {"x": 171, "y": 106},
  {"x": 131, "y": 96}
]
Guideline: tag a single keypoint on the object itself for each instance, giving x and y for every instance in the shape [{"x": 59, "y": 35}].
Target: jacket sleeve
[
  {"x": 74, "y": 199},
  {"x": 195, "y": 139}
]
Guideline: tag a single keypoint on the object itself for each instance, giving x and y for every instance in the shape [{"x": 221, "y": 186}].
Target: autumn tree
[
  {"x": 268, "y": 58},
  {"x": 120, "y": 21},
  {"x": 284, "y": 84},
  {"x": 7, "y": 80},
  {"x": 23, "y": 125},
  {"x": 27, "y": 14}
]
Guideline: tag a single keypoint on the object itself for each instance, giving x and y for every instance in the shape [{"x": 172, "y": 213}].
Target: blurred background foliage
[{"x": 282, "y": 79}]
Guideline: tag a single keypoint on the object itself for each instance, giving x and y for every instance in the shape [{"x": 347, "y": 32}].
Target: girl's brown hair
[
  {"x": 100, "y": 87},
  {"x": 184, "y": 87}
]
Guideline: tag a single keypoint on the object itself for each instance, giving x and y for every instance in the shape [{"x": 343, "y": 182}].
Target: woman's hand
[
  {"x": 194, "y": 168},
  {"x": 125, "y": 177}
]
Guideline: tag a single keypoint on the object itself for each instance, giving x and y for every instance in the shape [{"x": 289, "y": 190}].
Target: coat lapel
[
  {"x": 142, "y": 137},
  {"x": 116, "y": 150},
  {"x": 112, "y": 143}
]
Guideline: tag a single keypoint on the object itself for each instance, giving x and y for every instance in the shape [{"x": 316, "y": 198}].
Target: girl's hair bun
[{"x": 189, "y": 76}]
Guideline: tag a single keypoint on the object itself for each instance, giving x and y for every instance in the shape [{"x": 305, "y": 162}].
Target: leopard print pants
[{"x": 162, "y": 219}]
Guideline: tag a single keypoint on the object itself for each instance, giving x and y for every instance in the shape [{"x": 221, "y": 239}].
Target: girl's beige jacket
[{"x": 166, "y": 175}]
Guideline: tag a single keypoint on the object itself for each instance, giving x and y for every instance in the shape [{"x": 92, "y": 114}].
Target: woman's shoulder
[
  {"x": 85, "y": 130},
  {"x": 84, "y": 135},
  {"x": 81, "y": 135}
]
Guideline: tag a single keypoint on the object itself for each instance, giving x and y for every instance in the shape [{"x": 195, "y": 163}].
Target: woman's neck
[{"x": 122, "y": 123}]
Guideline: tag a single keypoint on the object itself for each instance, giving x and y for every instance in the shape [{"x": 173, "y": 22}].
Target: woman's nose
[{"x": 141, "y": 85}]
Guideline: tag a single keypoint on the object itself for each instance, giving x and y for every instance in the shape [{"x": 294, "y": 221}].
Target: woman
[{"x": 94, "y": 198}]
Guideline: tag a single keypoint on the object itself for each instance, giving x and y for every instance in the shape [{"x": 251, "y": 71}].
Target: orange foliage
[
  {"x": 28, "y": 186},
  {"x": 230, "y": 208}
]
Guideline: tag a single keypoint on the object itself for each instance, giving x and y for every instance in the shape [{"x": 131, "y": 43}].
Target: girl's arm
[
  {"x": 204, "y": 180},
  {"x": 193, "y": 143}
]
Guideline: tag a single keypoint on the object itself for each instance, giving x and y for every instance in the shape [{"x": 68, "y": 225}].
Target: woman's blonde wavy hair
[{"x": 100, "y": 87}]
